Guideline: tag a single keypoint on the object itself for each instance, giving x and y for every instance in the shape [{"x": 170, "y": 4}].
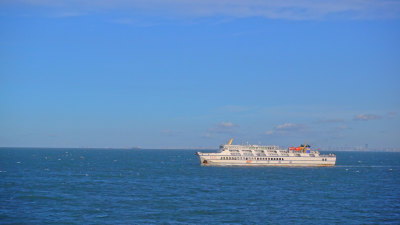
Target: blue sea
[{"x": 112, "y": 186}]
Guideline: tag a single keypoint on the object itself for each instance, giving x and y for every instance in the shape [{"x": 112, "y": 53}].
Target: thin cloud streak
[
  {"x": 273, "y": 9},
  {"x": 366, "y": 117}
]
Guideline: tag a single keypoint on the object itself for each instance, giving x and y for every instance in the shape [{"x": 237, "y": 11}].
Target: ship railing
[{"x": 327, "y": 155}]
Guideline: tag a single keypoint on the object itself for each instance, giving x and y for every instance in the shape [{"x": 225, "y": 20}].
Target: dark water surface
[{"x": 78, "y": 186}]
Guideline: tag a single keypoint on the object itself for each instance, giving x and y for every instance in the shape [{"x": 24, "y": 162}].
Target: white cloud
[
  {"x": 226, "y": 125},
  {"x": 391, "y": 115},
  {"x": 270, "y": 132},
  {"x": 223, "y": 127},
  {"x": 286, "y": 128},
  {"x": 275, "y": 9},
  {"x": 340, "y": 128},
  {"x": 208, "y": 135},
  {"x": 366, "y": 117}
]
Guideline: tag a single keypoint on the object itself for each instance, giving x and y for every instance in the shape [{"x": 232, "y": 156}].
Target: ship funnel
[{"x": 230, "y": 141}]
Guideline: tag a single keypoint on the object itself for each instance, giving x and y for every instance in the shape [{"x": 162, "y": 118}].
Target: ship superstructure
[{"x": 265, "y": 155}]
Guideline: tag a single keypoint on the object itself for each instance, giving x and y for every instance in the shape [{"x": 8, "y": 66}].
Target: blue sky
[{"x": 187, "y": 74}]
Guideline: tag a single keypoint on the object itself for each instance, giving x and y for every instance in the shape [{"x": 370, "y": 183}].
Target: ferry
[{"x": 266, "y": 155}]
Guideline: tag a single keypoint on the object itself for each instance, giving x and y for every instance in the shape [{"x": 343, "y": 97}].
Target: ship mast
[{"x": 305, "y": 147}]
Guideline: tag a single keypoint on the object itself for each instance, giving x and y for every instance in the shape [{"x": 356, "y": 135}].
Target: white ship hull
[
  {"x": 287, "y": 161},
  {"x": 254, "y": 155}
]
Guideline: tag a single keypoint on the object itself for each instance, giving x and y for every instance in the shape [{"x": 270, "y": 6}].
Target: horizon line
[{"x": 138, "y": 148}]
